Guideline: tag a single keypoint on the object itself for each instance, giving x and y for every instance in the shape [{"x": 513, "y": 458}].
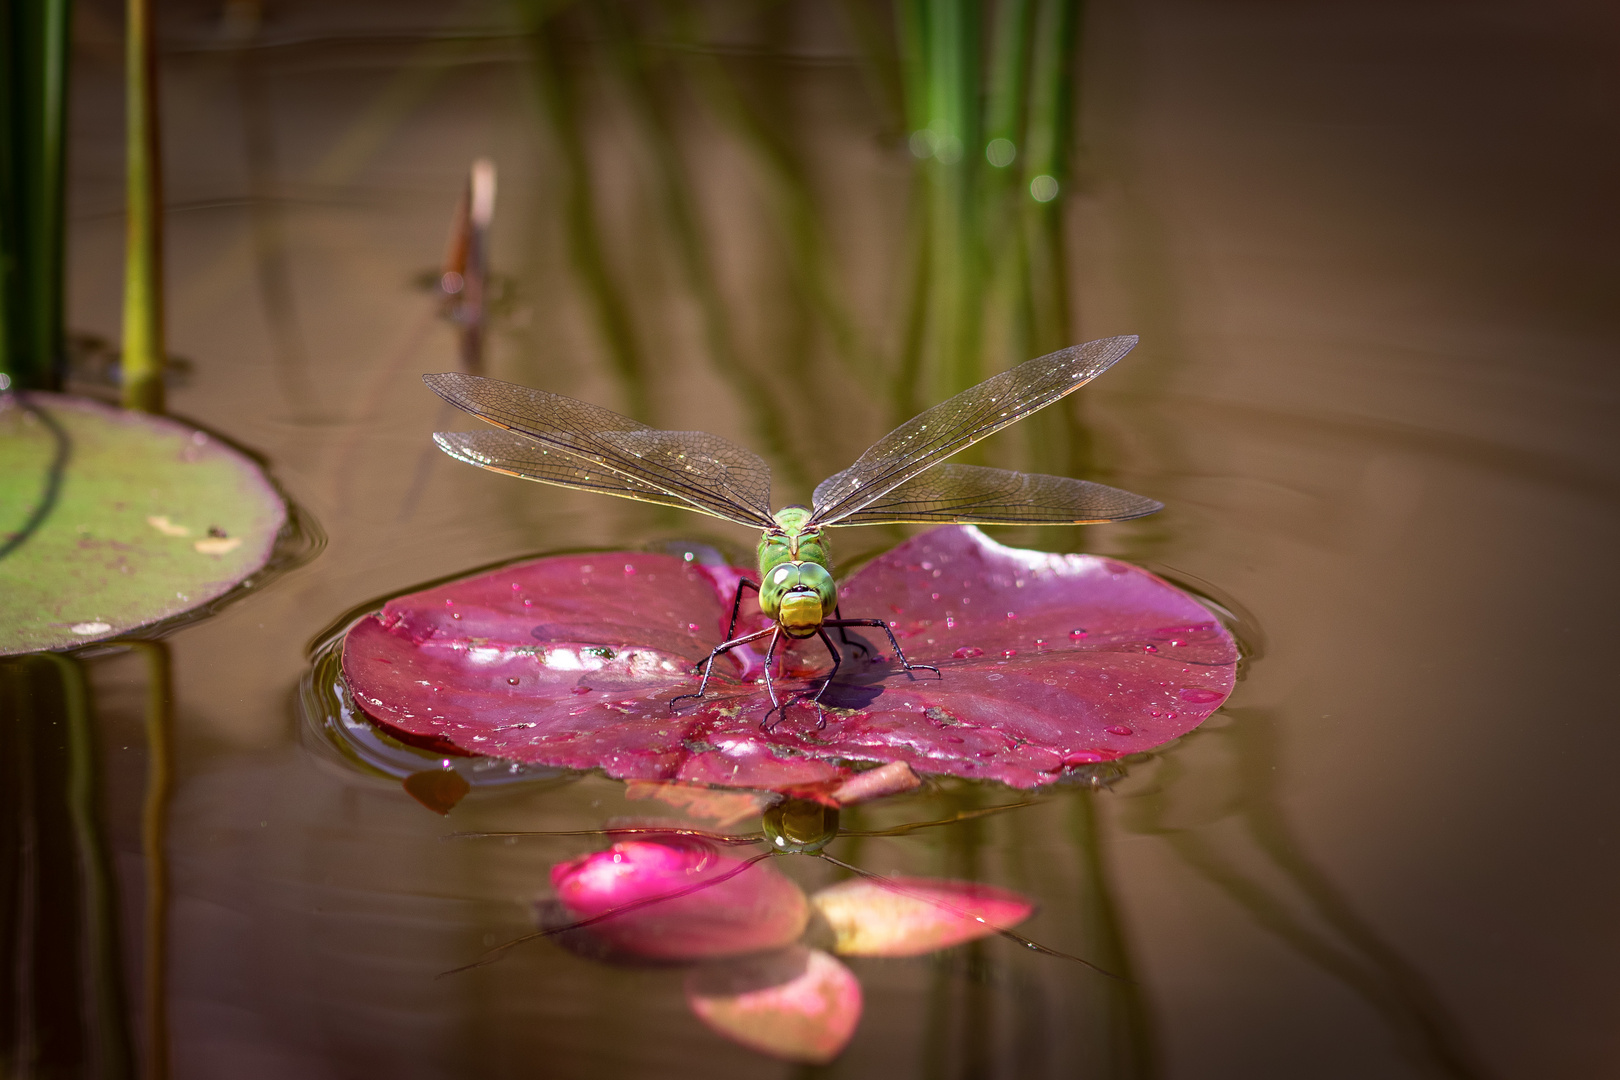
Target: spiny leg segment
[{"x": 899, "y": 654}]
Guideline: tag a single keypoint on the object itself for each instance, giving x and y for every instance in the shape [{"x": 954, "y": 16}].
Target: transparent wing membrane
[
  {"x": 518, "y": 455},
  {"x": 955, "y": 424},
  {"x": 612, "y": 453},
  {"x": 974, "y": 495}
]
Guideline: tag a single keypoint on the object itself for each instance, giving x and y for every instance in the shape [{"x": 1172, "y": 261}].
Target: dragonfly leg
[
  {"x": 736, "y": 604},
  {"x": 898, "y": 653},
  {"x": 843, "y": 635},
  {"x": 725, "y": 647},
  {"x": 821, "y": 717},
  {"x": 770, "y": 687}
]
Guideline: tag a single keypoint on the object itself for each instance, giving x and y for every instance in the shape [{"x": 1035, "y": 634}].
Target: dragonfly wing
[
  {"x": 955, "y": 424},
  {"x": 700, "y": 471},
  {"x": 518, "y": 455},
  {"x": 974, "y": 495}
]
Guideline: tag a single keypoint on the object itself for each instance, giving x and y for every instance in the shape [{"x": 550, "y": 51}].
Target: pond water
[{"x": 1371, "y": 254}]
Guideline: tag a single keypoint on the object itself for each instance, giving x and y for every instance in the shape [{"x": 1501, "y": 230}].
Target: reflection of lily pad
[
  {"x": 114, "y": 520},
  {"x": 1048, "y": 663}
]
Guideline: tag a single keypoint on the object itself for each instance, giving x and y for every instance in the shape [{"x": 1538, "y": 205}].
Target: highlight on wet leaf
[
  {"x": 1048, "y": 664},
  {"x": 908, "y": 916},
  {"x": 797, "y": 1004},
  {"x": 680, "y": 898}
]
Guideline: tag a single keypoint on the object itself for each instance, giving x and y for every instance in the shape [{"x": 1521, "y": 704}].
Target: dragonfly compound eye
[{"x": 800, "y": 825}]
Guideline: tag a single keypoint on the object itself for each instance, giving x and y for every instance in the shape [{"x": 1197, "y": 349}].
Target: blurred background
[{"x": 1372, "y": 253}]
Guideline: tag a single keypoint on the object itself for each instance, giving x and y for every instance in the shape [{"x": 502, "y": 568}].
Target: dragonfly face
[{"x": 799, "y": 596}]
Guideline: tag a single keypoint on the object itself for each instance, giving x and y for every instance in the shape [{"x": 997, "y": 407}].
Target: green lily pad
[{"x": 112, "y": 520}]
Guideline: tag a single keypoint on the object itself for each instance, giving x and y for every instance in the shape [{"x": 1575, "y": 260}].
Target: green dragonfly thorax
[{"x": 796, "y": 586}]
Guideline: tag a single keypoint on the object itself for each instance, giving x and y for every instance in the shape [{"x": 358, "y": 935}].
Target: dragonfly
[{"x": 903, "y": 478}]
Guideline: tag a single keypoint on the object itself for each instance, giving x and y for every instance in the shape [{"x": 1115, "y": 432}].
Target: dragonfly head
[{"x": 799, "y": 596}]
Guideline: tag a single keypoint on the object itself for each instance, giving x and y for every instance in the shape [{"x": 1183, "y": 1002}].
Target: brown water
[{"x": 1371, "y": 252}]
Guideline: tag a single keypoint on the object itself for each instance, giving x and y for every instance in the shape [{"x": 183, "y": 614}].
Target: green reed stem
[
  {"x": 794, "y": 204},
  {"x": 33, "y": 99},
  {"x": 1048, "y": 138},
  {"x": 143, "y": 255},
  {"x": 1006, "y": 287},
  {"x": 560, "y": 99},
  {"x": 679, "y": 205}
]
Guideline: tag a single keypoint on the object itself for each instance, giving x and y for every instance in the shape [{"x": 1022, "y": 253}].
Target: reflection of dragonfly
[
  {"x": 791, "y": 827},
  {"x": 900, "y": 479}
]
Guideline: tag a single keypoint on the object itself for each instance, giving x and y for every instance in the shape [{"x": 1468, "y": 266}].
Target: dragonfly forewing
[
  {"x": 957, "y": 423},
  {"x": 518, "y": 455},
  {"x": 701, "y": 471}
]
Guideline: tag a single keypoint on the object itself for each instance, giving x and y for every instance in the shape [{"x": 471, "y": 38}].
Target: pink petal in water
[
  {"x": 797, "y": 1004},
  {"x": 909, "y": 916},
  {"x": 690, "y": 900}
]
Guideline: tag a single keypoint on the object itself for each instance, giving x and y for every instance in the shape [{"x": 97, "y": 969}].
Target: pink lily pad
[
  {"x": 1047, "y": 662},
  {"x": 907, "y": 916},
  {"x": 681, "y": 898},
  {"x": 797, "y": 1004}
]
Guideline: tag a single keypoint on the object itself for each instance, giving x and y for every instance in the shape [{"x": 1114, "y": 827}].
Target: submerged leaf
[
  {"x": 113, "y": 520},
  {"x": 680, "y": 898},
  {"x": 907, "y": 916},
  {"x": 437, "y": 789},
  {"x": 724, "y": 808},
  {"x": 885, "y": 780},
  {"x": 1047, "y": 662},
  {"x": 798, "y": 1004}
]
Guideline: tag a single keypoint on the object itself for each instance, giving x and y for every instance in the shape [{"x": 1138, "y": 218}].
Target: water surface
[{"x": 1370, "y": 250}]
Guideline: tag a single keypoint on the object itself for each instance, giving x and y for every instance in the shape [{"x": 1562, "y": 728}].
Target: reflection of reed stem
[
  {"x": 961, "y": 1023},
  {"x": 107, "y": 1037},
  {"x": 1370, "y": 967},
  {"x": 143, "y": 257},
  {"x": 60, "y": 999},
  {"x": 1131, "y": 1046},
  {"x": 154, "y": 846}
]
